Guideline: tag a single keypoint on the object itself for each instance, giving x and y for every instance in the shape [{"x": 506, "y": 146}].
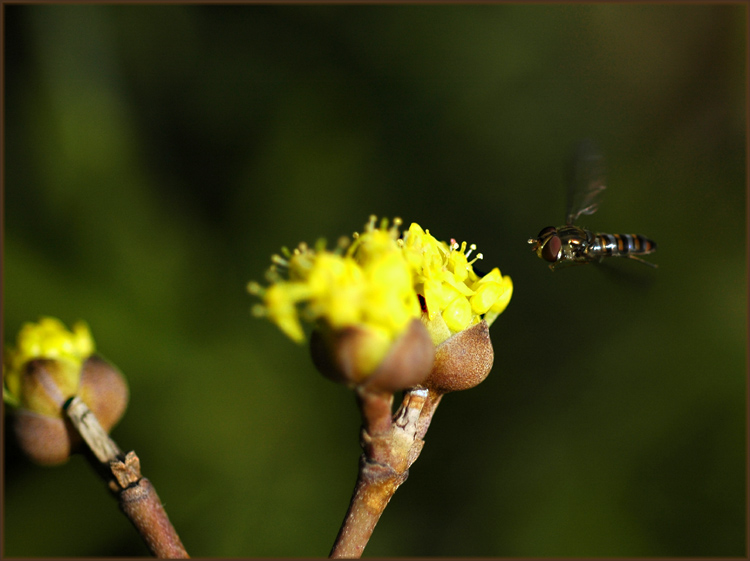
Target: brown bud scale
[{"x": 463, "y": 360}]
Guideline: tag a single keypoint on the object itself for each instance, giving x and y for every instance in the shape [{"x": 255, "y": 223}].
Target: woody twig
[{"x": 136, "y": 495}]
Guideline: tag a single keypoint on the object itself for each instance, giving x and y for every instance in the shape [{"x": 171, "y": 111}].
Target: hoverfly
[{"x": 572, "y": 245}]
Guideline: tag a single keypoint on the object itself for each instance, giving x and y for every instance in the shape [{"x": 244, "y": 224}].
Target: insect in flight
[{"x": 573, "y": 245}]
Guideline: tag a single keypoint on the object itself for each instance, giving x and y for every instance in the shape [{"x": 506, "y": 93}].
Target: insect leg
[{"x": 654, "y": 265}]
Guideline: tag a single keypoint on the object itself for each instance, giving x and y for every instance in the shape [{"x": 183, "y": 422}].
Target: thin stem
[
  {"x": 141, "y": 504},
  {"x": 136, "y": 495},
  {"x": 87, "y": 425},
  {"x": 375, "y": 486},
  {"x": 390, "y": 446}
]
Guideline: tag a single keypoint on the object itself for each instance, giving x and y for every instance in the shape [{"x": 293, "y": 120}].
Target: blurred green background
[{"x": 156, "y": 156}]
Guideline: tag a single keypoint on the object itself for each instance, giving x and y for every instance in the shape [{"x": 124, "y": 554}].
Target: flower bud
[
  {"x": 357, "y": 356},
  {"x": 42, "y": 430},
  {"x": 48, "y": 365},
  {"x": 462, "y": 361}
]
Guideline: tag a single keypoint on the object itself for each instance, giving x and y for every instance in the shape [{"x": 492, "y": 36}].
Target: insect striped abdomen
[{"x": 622, "y": 245}]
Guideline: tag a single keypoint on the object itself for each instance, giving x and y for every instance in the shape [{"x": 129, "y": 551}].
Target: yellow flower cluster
[
  {"x": 381, "y": 281},
  {"x": 366, "y": 284},
  {"x": 47, "y": 339}
]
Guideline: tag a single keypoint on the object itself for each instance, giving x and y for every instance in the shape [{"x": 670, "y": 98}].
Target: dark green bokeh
[{"x": 156, "y": 156}]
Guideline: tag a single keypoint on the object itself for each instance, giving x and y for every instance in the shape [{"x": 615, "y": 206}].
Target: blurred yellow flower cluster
[
  {"x": 49, "y": 338},
  {"x": 380, "y": 280}
]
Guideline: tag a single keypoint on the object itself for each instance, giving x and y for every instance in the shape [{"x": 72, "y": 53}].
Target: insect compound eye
[{"x": 551, "y": 250}]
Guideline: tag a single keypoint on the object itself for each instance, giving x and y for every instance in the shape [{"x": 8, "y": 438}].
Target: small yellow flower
[
  {"x": 49, "y": 339},
  {"x": 492, "y": 295},
  {"x": 455, "y": 296}
]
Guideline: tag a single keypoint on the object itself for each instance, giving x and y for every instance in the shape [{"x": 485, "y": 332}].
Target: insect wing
[{"x": 585, "y": 181}]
